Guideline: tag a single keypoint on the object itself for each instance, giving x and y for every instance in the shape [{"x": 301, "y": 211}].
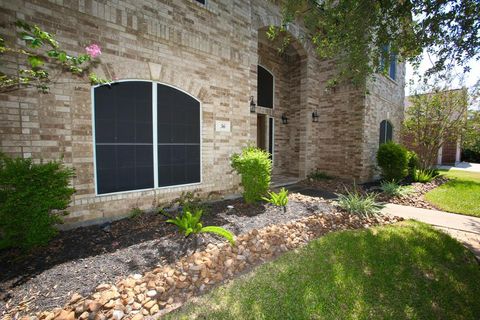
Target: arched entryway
[{"x": 281, "y": 116}]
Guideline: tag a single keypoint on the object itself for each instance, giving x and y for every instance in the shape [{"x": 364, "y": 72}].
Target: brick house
[
  {"x": 193, "y": 70},
  {"x": 450, "y": 151}
]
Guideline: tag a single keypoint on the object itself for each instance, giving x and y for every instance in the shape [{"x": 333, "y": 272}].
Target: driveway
[
  {"x": 463, "y": 166},
  {"x": 465, "y": 229}
]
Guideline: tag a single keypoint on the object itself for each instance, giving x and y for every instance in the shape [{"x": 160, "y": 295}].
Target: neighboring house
[
  {"x": 450, "y": 151},
  {"x": 188, "y": 71}
]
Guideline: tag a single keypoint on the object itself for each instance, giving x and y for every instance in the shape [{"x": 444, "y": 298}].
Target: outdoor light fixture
[
  {"x": 284, "y": 118},
  {"x": 252, "y": 105},
  {"x": 315, "y": 116}
]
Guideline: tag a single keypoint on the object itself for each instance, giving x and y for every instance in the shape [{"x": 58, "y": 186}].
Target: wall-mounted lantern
[
  {"x": 284, "y": 118},
  {"x": 315, "y": 116},
  {"x": 252, "y": 105}
]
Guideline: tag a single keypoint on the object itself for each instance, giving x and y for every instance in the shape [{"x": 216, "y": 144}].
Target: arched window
[
  {"x": 265, "y": 87},
  {"x": 386, "y": 131},
  {"x": 146, "y": 135}
]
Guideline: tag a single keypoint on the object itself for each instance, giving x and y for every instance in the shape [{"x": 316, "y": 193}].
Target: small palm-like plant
[
  {"x": 393, "y": 189},
  {"x": 279, "y": 199},
  {"x": 189, "y": 223},
  {"x": 423, "y": 176},
  {"x": 357, "y": 203}
]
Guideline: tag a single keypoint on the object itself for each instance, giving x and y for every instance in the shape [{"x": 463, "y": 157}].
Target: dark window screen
[
  {"x": 264, "y": 88},
  {"x": 178, "y": 137},
  {"x": 386, "y": 131},
  {"x": 123, "y": 136}
]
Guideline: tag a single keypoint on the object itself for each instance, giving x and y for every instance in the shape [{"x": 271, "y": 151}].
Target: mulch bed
[{"x": 78, "y": 260}]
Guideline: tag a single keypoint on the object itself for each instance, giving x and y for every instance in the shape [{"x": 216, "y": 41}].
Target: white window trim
[
  {"x": 155, "y": 139},
  {"x": 273, "y": 90}
]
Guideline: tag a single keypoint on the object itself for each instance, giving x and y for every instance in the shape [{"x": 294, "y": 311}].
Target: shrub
[
  {"x": 32, "y": 198},
  {"x": 423, "y": 175},
  {"x": 393, "y": 161},
  {"x": 319, "y": 175},
  {"x": 279, "y": 199},
  {"x": 393, "y": 189},
  {"x": 413, "y": 163},
  {"x": 189, "y": 223},
  {"x": 255, "y": 167},
  {"x": 356, "y": 203}
]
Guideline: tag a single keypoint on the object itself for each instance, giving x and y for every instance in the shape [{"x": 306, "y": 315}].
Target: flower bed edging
[{"x": 168, "y": 287}]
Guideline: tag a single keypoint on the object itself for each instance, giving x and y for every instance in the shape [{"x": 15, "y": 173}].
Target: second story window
[{"x": 388, "y": 63}]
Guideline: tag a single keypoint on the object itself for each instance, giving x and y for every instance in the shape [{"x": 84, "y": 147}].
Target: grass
[
  {"x": 460, "y": 195},
  {"x": 403, "y": 271}
]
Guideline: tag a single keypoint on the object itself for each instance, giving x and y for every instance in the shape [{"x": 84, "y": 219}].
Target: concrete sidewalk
[
  {"x": 463, "y": 166},
  {"x": 465, "y": 229}
]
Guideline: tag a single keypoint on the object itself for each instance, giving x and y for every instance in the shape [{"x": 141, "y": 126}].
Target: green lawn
[
  {"x": 404, "y": 271},
  {"x": 461, "y": 195}
]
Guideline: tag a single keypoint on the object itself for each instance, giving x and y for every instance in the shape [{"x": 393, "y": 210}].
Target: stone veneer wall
[{"x": 209, "y": 51}]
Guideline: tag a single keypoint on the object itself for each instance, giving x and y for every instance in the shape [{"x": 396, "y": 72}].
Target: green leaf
[
  {"x": 62, "y": 56},
  {"x": 35, "y": 61},
  {"x": 221, "y": 232}
]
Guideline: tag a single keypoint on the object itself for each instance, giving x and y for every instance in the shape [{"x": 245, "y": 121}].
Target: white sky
[{"x": 470, "y": 78}]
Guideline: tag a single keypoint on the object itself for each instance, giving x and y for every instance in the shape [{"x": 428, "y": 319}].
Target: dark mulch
[{"x": 78, "y": 260}]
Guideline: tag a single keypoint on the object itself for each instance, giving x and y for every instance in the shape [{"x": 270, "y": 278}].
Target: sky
[{"x": 470, "y": 78}]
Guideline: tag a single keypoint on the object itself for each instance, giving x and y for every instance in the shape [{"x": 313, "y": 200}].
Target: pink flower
[{"x": 93, "y": 50}]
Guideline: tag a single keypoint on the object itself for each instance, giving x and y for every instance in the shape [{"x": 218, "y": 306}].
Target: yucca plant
[
  {"x": 357, "y": 203},
  {"x": 423, "y": 175},
  {"x": 279, "y": 199},
  {"x": 189, "y": 223},
  {"x": 393, "y": 189}
]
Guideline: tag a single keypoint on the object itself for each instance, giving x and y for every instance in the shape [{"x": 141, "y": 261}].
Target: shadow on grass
[{"x": 396, "y": 272}]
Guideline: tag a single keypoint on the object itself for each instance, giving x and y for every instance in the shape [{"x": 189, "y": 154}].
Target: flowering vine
[{"x": 38, "y": 54}]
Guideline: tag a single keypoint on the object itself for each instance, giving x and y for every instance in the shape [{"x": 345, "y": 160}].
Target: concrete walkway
[
  {"x": 465, "y": 229},
  {"x": 463, "y": 166}
]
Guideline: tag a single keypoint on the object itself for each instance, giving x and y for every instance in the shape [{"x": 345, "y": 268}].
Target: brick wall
[{"x": 212, "y": 53}]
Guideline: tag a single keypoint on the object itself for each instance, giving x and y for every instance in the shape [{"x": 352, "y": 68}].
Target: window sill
[{"x": 146, "y": 190}]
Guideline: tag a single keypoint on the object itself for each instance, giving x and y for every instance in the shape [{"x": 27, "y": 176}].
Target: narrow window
[
  {"x": 124, "y": 127},
  {"x": 389, "y": 68},
  {"x": 386, "y": 131},
  {"x": 265, "y": 88}
]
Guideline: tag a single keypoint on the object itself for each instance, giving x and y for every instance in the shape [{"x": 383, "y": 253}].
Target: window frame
[
  {"x": 273, "y": 86},
  {"x": 154, "y": 141}
]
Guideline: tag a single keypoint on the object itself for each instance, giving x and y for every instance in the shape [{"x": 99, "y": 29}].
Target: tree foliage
[
  {"x": 471, "y": 136},
  {"x": 38, "y": 53},
  {"x": 434, "y": 118},
  {"x": 356, "y": 32}
]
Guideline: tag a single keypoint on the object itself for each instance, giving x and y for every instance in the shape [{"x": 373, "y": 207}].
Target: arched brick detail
[
  {"x": 301, "y": 45},
  {"x": 164, "y": 74}
]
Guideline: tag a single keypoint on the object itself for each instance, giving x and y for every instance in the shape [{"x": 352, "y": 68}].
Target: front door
[{"x": 265, "y": 134}]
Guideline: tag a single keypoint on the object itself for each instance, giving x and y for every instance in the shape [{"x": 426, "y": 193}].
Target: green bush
[
  {"x": 392, "y": 159},
  {"x": 189, "y": 223},
  {"x": 32, "y": 198},
  {"x": 319, "y": 175},
  {"x": 255, "y": 167},
  {"x": 356, "y": 203},
  {"x": 413, "y": 163},
  {"x": 393, "y": 189},
  {"x": 279, "y": 199}
]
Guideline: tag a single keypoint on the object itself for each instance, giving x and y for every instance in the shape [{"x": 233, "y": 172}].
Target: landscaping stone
[{"x": 199, "y": 271}]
